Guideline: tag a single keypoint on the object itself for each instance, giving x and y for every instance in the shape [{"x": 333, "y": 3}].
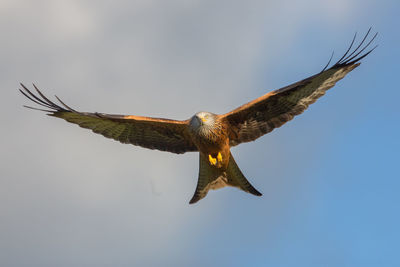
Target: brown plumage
[{"x": 211, "y": 134}]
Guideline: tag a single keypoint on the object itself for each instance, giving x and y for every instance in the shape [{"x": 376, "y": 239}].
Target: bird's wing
[
  {"x": 273, "y": 109},
  {"x": 152, "y": 133}
]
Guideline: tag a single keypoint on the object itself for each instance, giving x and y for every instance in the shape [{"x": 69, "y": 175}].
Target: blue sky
[{"x": 330, "y": 177}]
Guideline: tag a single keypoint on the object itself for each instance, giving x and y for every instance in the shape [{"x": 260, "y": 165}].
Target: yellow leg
[
  {"x": 213, "y": 161},
  {"x": 219, "y": 157}
]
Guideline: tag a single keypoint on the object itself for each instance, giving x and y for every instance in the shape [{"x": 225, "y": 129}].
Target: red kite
[{"x": 212, "y": 135}]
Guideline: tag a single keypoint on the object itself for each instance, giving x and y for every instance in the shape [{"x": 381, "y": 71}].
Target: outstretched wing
[
  {"x": 152, "y": 133},
  {"x": 272, "y": 110}
]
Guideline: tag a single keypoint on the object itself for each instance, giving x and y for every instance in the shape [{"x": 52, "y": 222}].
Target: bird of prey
[{"x": 212, "y": 135}]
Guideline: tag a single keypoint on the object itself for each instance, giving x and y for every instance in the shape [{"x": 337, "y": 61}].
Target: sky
[{"x": 329, "y": 178}]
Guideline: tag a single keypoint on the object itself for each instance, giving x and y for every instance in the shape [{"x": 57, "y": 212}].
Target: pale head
[{"x": 202, "y": 119}]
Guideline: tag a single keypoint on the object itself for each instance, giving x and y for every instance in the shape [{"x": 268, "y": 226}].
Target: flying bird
[{"x": 212, "y": 135}]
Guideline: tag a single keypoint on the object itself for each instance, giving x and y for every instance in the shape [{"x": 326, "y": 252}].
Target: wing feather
[
  {"x": 152, "y": 133},
  {"x": 272, "y": 110}
]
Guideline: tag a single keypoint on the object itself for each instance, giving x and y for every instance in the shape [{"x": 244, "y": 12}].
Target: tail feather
[
  {"x": 214, "y": 178},
  {"x": 209, "y": 178},
  {"x": 236, "y": 178}
]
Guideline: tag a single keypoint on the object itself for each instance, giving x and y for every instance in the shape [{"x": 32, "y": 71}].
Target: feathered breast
[{"x": 211, "y": 136}]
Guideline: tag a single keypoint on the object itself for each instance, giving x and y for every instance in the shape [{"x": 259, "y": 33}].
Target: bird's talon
[
  {"x": 219, "y": 157},
  {"x": 213, "y": 161}
]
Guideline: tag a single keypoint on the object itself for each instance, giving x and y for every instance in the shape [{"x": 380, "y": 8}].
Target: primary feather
[
  {"x": 272, "y": 110},
  {"x": 153, "y": 133}
]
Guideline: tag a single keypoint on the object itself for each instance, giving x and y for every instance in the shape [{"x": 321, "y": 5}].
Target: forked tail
[{"x": 214, "y": 178}]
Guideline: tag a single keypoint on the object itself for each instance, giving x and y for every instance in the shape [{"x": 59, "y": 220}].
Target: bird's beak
[{"x": 203, "y": 119}]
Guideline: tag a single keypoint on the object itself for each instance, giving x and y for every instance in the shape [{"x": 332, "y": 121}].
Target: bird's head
[{"x": 203, "y": 119}]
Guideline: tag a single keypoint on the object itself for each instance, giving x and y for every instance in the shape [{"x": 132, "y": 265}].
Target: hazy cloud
[{"x": 71, "y": 198}]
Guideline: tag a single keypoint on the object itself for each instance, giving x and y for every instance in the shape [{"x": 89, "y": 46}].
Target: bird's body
[{"x": 212, "y": 135}]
